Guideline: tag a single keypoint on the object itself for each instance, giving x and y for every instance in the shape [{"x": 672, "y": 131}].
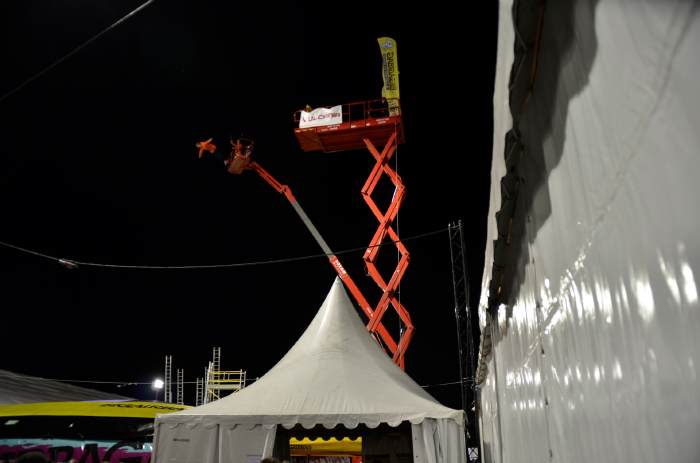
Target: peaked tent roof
[{"x": 335, "y": 373}]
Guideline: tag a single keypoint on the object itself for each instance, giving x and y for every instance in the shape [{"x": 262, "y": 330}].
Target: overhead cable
[
  {"x": 72, "y": 263},
  {"x": 74, "y": 51},
  {"x": 146, "y": 383}
]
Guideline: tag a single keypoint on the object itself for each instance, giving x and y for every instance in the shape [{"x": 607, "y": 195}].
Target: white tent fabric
[
  {"x": 16, "y": 388},
  {"x": 335, "y": 374},
  {"x": 595, "y": 339},
  {"x": 434, "y": 442}
]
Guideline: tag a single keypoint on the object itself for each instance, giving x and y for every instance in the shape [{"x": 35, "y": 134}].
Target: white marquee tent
[{"x": 335, "y": 374}]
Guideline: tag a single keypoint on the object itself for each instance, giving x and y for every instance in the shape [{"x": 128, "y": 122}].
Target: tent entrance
[
  {"x": 383, "y": 444},
  {"x": 306, "y": 450}
]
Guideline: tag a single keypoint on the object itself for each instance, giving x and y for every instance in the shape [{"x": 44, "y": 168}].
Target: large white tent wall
[
  {"x": 590, "y": 315},
  {"x": 335, "y": 375}
]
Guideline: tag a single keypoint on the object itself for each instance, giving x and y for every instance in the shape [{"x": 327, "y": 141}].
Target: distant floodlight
[{"x": 158, "y": 383}]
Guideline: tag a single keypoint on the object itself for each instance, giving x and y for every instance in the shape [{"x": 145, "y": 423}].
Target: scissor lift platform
[
  {"x": 364, "y": 120},
  {"x": 371, "y": 125}
]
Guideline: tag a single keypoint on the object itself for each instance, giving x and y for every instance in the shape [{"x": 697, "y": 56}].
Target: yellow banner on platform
[{"x": 390, "y": 68}]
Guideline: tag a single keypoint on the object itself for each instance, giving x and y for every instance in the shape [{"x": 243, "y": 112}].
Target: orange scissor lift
[{"x": 366, "y": 124}]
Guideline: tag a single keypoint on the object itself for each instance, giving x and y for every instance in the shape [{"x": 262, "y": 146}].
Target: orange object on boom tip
[
  {"x": 239, "y": 158},
  {"x": 206, "y": 145}
]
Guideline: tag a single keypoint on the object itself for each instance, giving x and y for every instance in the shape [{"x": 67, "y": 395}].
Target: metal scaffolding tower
[
  {"x": 465, "y": 339},
  {"x": 217, "y": 382}
]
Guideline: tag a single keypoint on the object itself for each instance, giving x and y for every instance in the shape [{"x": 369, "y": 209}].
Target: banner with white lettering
[{"x": 321, "y": 116}]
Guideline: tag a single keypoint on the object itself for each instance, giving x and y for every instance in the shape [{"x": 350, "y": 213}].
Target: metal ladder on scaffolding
[
  {"x": 180, "y": 396},
  {"x": 199, "y": 392},
  {"x": 167, "y": 386}
]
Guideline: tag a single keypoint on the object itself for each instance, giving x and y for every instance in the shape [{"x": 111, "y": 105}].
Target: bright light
[
  {"x": 158, "y": 383},
  {"x": 691, "y": 292}
]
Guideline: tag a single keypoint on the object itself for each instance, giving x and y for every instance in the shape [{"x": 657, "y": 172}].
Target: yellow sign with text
[
  {"x": 390, "y": 68},
  {"x": 390, "y": 73}
]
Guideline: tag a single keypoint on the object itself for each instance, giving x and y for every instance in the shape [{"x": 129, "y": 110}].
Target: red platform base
[{"x": 365, "y": 120}]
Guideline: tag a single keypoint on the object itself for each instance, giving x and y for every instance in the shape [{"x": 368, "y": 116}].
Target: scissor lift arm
[{"x": 386, "y": 339}]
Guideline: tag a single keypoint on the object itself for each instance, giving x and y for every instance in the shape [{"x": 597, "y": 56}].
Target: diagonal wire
[
  {"x": 451, "y": 383},
  {"x": 73, "y": 52}
]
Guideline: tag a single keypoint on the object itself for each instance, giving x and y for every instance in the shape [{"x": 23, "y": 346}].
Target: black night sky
[{"x": 98, "y": 164}]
